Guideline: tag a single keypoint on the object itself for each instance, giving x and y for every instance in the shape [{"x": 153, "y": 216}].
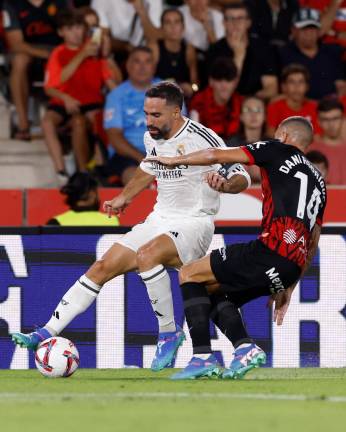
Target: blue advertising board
[{"x": 119, "y": 329}]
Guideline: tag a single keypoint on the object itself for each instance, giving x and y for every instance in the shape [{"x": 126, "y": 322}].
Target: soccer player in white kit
[{"x": 179, "y": 229}]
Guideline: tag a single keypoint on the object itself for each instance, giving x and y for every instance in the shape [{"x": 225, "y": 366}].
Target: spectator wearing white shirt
[
  {"x": 203, "y": 27},
  {"x": 128, "y": 20}
]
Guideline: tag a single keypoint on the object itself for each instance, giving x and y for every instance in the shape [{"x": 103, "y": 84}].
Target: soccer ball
[{"x": 57, "y": 357}]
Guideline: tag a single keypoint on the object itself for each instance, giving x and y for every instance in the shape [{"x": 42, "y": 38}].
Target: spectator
[
  {"x": 256, "y": 65},
  {"x": 332, "y": 139},
  {"x": 272, "y": 19},
  {"x": 323, "y": 61},
  {"x": 218, "y": 106},
  {"x": 319, "y": 161},
  {"x": 30, "y": 29},
  {"x": 175, "y": 59},
  {"x": 129, "y": 21},
  {"x": 293, "y": 102},
  {"x": 83, "y": 200},
  {"x": 74, "y": 80},
  {"x": 92, "y": 21},
  {"x": 333, "y": 22},
  {"x": 251, "y": 129},
  {"x": 203, "y": 25},
  {"x": 124, "y": 117}
]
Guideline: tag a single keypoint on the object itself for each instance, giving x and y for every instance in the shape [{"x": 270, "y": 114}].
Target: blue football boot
[
  {"x": 198, "y": 368},
  {"x": 30, "y": 340},
  {"x": 167, "y": 347},
  {"x": 245, "y": 359}
]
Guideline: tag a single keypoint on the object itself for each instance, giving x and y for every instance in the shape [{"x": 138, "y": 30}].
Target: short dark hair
[
  {"x": 140, "y": 48},
  {"x": 223, "y": 68},
  {"x": 302, "y": 125},
  {"x": 167, "y": 90},
  {"x": 329, "y": 103},
  {"x": 315, "y": 156},
  {"x": 237, "y": 5},
  {"x": 171, "y": 10},
  {"x": 69, "y": 18},
  {"x": 294, "y": 68},
  {"x": 78, "y": 187}
]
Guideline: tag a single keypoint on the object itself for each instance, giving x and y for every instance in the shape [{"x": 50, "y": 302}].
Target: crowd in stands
[{"x": 243, "y": 66}]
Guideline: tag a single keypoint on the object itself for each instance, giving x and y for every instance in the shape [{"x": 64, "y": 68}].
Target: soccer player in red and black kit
[{"x": 294, "y": 199}]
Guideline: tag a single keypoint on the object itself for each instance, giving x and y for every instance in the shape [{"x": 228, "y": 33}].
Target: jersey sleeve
[
  {"x": 10, "y": 18},
  {"x": 113, "y": 114},
  {"x": 229, "y": 170},
  {"x": 146, "y": 166},
  {"x": 261, "y": 152},
  {"x": 320, "y": 214}
]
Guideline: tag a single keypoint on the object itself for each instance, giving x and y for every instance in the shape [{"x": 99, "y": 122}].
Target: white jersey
[{"x": 183, "y": 191}]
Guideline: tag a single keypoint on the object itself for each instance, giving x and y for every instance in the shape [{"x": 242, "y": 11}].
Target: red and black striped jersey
[{"x": 294, "y": 197}]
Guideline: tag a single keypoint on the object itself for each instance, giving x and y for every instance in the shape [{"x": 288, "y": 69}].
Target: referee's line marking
[{"x": 168, "y": 395}]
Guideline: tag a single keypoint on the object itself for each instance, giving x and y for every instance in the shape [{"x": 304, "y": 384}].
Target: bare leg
[
  {"x": 80, "y": 141},
  {"x": 50, "y": 122},
  {"x": 20, "y": 88}
]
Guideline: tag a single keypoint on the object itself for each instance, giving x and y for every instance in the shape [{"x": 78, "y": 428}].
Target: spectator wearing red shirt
[
  {"x": 218, "y": 106},
  {"x": 30, "y": 31},
  {"x": 74, "y": 79},
  {"x": 332, "y": 139},
  {"x": 293, "y": 101}
]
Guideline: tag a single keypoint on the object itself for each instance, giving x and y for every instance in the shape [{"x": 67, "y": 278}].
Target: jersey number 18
[{"x": 314, "y": 202}]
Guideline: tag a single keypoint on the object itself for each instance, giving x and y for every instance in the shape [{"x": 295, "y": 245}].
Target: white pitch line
[{"x": 167, "y": 395}]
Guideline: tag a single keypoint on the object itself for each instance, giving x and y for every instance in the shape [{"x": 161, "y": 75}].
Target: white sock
[
  {"x": 202, "y": 356},
  {"x": 77, "y": 299},
  {"x": 158, "y": 285}
]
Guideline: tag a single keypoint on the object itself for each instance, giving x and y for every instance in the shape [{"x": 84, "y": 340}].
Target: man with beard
[{"x": 179, "y": 229}]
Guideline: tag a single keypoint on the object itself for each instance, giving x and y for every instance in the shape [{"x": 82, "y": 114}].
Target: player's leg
[
  {"x": 194, "y": 278},
  {"x": 151, "y": 260},
  {"x": 227, "y": 317},
  {"x": 117, "y": 260}
]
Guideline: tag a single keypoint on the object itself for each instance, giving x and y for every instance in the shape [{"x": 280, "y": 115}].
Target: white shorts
[{"x": 191, "y": 235}]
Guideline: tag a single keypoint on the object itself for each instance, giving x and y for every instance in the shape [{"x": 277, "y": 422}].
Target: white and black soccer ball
[{"x": 57, "y": 357}]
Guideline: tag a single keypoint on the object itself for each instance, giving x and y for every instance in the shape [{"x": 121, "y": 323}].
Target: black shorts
[
  {"x": 83, "y": 109},
  {"x": 250, "y": 270},
  {"x": 117, "y": 164}
]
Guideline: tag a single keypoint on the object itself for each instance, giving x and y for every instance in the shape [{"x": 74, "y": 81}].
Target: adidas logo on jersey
[
  {"x": 290, "y": 236},
  {"x": 174, "y": 233},
  {"x": 153, "y": 152}
]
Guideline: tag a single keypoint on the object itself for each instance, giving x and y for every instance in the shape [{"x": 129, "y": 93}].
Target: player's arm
[
  {"x": 140, "y": 181},
  {"x": 230, "y": 178},
  {"x": 210, "y": 156}
]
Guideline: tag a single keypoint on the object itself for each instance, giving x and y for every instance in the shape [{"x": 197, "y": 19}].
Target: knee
[
  {"x": 186, "y": 275},
  {"x": 20, "y": 63},
  {"x": 146, "y": 257},
  {"x": 78, "y": 121}
]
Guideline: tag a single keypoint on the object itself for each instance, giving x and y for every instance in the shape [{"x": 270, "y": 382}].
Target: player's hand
[
  {"x": 216, "y": 181},
  {"x": 116, "y": 206},
  {"x": 281, "y": 302},
  {"x": 72, "y": 105},
  {"x": 169, "y": 162}
]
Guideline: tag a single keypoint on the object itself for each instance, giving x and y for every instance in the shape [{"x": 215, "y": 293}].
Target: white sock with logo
[
  {"x": 158, "y": 285},
  {"x": 76, "y": 300}
]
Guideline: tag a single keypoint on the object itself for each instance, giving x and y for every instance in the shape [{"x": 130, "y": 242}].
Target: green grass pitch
[{"x": 137, "y": 400}]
